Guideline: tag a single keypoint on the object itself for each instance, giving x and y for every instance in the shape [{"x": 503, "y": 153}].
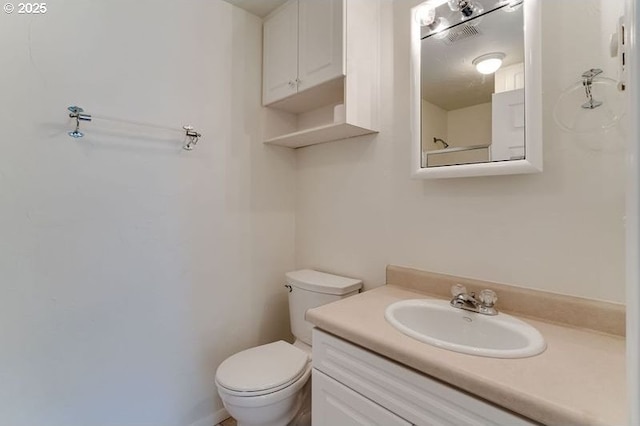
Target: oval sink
[{"x": 439, "y": 324}]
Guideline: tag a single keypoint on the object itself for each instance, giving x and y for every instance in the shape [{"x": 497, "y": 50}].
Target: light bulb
[
  {"x": 425, "y": 15},
  {"x": 438, "y": 27},
  {"x": 467, "y": 8}
]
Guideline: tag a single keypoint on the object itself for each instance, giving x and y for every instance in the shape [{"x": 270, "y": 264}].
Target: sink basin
[{"x": 439, "y": 324}]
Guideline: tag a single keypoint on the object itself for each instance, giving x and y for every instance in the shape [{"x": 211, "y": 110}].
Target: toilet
[{"x": 270, "y": 385}]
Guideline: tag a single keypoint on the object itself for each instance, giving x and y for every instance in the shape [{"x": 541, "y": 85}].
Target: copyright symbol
[{"x": 8, "y": 7}]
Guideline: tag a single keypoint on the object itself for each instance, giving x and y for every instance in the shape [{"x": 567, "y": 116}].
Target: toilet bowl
[
  {"x": 274, "y": 409},
  {"x": 270, "y": 385},
  {"x": 266, "y": 385}
]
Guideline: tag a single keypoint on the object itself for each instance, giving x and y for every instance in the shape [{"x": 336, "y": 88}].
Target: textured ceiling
[
  {"x": 258, "y": 7},
  {"x": 449, "y": 79}
]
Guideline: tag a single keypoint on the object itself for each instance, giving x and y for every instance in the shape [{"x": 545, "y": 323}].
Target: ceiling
[
  {"x": 258, "y": 7},
  {"x": 448, "y": 77}
]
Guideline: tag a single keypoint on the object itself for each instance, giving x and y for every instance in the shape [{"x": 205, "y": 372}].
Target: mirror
[{"x": 476, "y": 90}]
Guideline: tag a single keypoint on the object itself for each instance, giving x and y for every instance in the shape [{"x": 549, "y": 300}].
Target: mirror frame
[{"x": 532, "y": 162}]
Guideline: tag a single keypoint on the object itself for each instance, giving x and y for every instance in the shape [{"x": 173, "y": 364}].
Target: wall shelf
[{"x": 319, "y": 134}]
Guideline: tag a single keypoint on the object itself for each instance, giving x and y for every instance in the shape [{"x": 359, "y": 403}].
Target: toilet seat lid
[{"x": 262, "y": 368}]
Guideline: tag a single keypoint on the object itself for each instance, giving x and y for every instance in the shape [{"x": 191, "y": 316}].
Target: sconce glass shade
[
  {"x": 439, "y": 27},
  {"x": 425, "y": 15},
  {"x": 468, "y": 8},
  {"x": 489, "y": 63}
]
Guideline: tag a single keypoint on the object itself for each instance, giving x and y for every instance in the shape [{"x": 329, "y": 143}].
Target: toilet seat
[
  {"x": 262, "y": 370},
  {"x": 249, "y": 394}
]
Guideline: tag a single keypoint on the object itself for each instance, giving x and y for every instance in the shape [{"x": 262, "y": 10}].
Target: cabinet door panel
[
  {"x": 321, "y": 39},
  {"x": 280, "y": 56},
  {"x": 335, "y": 404},
  {"x": 401, "y": 390}
]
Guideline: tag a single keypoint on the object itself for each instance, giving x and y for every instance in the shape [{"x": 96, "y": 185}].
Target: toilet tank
[{"x": 308, "y": 289}]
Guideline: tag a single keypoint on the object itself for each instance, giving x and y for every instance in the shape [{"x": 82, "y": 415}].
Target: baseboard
[{"x": 212, "y": 419}]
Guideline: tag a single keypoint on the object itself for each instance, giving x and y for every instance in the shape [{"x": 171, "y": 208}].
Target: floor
[{"x": 229, "y": 422}]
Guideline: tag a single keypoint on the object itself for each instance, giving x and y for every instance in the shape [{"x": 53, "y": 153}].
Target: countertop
[{"x": 578, "y": 380}]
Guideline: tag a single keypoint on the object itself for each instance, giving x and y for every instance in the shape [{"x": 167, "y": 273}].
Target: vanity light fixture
[
  {"x": 467, "y": 8},
  {"x": 426, "y": 15},
  {"x": 489, "y": 63},
  {"x": 439, "y": 27}
]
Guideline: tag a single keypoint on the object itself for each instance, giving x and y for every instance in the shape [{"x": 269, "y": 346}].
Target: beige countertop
[{"x": 578, "y": 380}]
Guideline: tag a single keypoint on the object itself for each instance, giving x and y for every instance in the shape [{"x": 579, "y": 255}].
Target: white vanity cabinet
[
  {"x": 336, "y": 404},
  {"x": 353, "y": 386},
  {"x": 303, "y": 47},
  {"x": 320, "y": 71}
]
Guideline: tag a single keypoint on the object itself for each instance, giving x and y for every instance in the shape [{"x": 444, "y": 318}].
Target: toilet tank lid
[{"x": 321, "y": 282}]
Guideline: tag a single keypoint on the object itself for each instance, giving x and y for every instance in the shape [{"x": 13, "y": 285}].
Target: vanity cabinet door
[
  {"x": 335, "y": 404},
  {"x": 320, "y": 46},
  {"x": 402, "y": 391},
  {"x": 280, "y": 55}
]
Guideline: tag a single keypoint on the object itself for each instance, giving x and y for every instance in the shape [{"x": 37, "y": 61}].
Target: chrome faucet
[{"x": 483, "y": 304}]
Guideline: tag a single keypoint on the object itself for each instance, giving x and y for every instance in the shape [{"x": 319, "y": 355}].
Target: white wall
[
  {"x": 433, "y": 125},
  {"x": 470, "y": 125},
  {"x": 561, "y": 230},
  {"x": 458, "y": 127},
  {"x": 129, "y": 268},
  {"x": 466, "y": 126}
]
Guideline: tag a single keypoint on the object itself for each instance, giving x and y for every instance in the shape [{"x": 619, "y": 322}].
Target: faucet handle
[
  {"x": 458, "y": 289},
  {"x": 488, "y": 298}
]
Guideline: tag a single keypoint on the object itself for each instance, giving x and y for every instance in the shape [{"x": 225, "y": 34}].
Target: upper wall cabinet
[
  {"x": 280, "y": 59},
  {"x": 320, "y": 71},
  {"x": 303, "y": 47}
]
